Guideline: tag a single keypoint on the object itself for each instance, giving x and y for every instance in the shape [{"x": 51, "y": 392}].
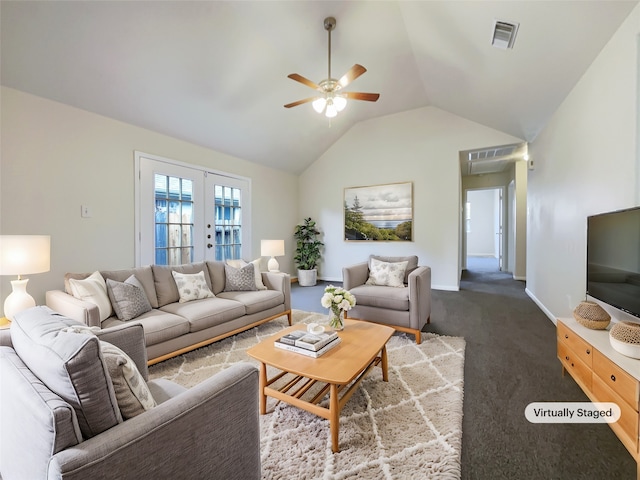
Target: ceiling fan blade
[
  {"x": 369, "y": 97},
  {"x": 351, "y": 75},
  {"x": 304, "y": 81},
  {"x": 300, "y": 102}
]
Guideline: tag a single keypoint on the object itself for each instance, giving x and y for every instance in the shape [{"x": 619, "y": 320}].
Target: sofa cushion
[
  {"x": 240, "y": 279},
  {"x": 166, "y": 288},
  {"x": 382, "y": 297},
  {"x": 191, "y": 286},
  {"x": 388, "y": 274},
  {"x": 69, "y": 364},
  {"x": 36, "y": 423},
  {"x": 255, "y": 301},
  {"x": 93, "y": 289},
  {"x": 206, "y": 313},
  {"x": 158, "y": 326},
  {"x": 131, "y": 390},
  {"x": 412, "y": 263},
  {"x": 128, "y": 298}
]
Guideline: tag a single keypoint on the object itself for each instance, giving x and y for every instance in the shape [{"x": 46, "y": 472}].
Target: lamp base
[
  {"x": 273, "y": 265},
  {"x": 18, "y": 300}
]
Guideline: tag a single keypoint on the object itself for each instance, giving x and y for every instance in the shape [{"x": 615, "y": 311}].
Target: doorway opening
[
  {"x": 493, "y": 210},
  {"x": 484, "y": 230}
]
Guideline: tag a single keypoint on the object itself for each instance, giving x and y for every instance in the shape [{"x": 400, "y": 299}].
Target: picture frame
[{"x": 379, "y": 213}]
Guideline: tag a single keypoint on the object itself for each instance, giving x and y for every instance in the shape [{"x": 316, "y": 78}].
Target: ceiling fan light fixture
[
  {"x": 329, "y": 101},
  {"x": 340, "y": 102},
  {"x": 332, "y": 110},
  {"x": 319, "y": 104}
]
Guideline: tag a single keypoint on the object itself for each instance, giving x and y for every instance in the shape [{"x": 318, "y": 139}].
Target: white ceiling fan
[{"x": 332, "y": 99}]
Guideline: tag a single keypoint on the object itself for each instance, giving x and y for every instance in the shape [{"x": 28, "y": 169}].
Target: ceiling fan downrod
[{"x": 329, "y": 25}]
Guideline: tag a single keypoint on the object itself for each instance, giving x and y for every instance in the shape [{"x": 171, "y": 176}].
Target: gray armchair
[
  {"x": 407, "y": 309},
  {"x": 209, "y": 431}
]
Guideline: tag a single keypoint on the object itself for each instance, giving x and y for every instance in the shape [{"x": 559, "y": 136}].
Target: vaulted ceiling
[{"x": 215, "y": 72}]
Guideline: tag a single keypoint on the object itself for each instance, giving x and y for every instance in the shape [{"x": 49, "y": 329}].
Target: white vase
[{"x": 336, "y": 322}]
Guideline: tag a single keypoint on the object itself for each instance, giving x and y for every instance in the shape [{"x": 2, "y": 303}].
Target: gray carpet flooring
[{"x": 510, "y": 362}]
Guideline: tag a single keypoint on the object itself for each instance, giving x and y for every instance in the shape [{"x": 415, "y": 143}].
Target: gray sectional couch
[{"x": 172, "y": 328}]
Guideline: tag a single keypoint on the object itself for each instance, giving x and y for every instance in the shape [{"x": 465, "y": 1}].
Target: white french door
[
  {"x": 227, "y": 209},
  {"x": 186, "y": 214}
]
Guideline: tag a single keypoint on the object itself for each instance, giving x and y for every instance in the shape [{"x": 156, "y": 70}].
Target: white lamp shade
[
  {"x": 331, "y": 110},
  {"x": 24, "y": 254},
  {"x": 319, "y": 104},
  {"x": 340, "y": 102},
  {"x": 272, "y": 248}
]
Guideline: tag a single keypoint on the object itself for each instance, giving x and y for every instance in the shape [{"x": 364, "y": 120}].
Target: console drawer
[
  {"x": 581, "y": 349},
  {"x": 628, "y": 422},
  {"x": 576, "y": 367},
  {"x": 617, "y": 379}
]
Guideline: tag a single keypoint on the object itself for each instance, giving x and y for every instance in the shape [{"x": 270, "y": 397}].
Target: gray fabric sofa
[
  {"x": 406, "y": 308},
  {"x": 172, "y": 328},
  {"x": 61, "y": 417}
]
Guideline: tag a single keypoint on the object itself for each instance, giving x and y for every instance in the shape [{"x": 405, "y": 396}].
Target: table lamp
[
  {"x": 22, "y": 255},
  {"x": 272, "y": 248}
]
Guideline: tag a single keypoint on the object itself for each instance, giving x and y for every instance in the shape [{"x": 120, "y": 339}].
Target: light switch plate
[{"x": 85, "y": 211}]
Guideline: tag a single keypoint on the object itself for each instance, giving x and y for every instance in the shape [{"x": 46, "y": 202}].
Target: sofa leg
[
  {"x": 429, "y": 319},
  {"x": 418, "y": 337},
  {"x": 289, "y": 317}
]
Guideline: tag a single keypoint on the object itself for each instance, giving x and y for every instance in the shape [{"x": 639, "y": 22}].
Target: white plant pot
[{"x": 307, "y": 278}]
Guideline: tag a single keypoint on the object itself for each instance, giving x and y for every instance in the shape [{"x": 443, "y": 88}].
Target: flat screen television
[{"x": 613, "y": 259}]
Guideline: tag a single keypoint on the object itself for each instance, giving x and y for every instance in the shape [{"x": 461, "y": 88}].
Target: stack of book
[{"x": 309, "y": 344}]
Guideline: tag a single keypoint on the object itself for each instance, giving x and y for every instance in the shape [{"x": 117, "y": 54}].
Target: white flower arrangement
[{"x": 338, "y": 300}]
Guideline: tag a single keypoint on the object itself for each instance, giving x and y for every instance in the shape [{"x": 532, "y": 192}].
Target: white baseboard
[
  {"x": 516, "y": 277},
  {"x": 448, "y": 288},
  {"x": 544, "y": 309}
]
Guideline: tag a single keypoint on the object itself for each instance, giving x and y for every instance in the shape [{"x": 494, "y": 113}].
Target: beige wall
[
  {"x": 586, "y": 162},
  {"x": 56, "y": 158},
  {"x": 420, "y": 146}
]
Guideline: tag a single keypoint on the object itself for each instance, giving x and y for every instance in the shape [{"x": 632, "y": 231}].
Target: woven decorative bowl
[
  {"x": 591, "y": 315},
  {"x": 625, "y": 338}
]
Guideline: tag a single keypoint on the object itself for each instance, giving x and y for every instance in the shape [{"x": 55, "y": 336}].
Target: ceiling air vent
[{"x": 504, "y": 34}]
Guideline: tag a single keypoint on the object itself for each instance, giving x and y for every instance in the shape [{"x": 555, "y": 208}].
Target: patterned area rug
[{"x": 407, "y": 428}]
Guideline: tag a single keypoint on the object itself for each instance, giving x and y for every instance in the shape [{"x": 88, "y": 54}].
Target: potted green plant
[{"x": 307, "y": 253}]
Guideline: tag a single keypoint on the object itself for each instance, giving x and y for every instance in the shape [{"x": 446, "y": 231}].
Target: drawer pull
[
  {"x": 613, "y": 378},
  {"x": 566, "y": 336},
  {"x": 588, "y": 351},
  {"x": 567, "y": 358},
  {"x": 572, "y": 365}
]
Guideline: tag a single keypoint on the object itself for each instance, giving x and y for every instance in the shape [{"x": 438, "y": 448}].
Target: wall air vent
[{"x": 504, "y": 34}]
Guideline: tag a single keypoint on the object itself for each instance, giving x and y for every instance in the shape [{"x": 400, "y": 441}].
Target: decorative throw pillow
[
  {"x": 132, "y": 392},
  {"x": 240, "y": 279},
  {"x": 69, "y": 364},
  {"x": 191, "y": 286},
  {"x": 256, "y": 270},
  {"x": 128, "y": 298},
  {"x": 386, "y": 273},
  {"x": 94, "y": 290}
]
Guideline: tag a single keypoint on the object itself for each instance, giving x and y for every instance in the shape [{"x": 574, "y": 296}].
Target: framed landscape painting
[{"x": 379, "y": 213}]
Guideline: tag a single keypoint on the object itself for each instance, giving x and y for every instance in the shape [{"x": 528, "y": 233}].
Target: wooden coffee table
[{"x": 338, "y": 372}]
